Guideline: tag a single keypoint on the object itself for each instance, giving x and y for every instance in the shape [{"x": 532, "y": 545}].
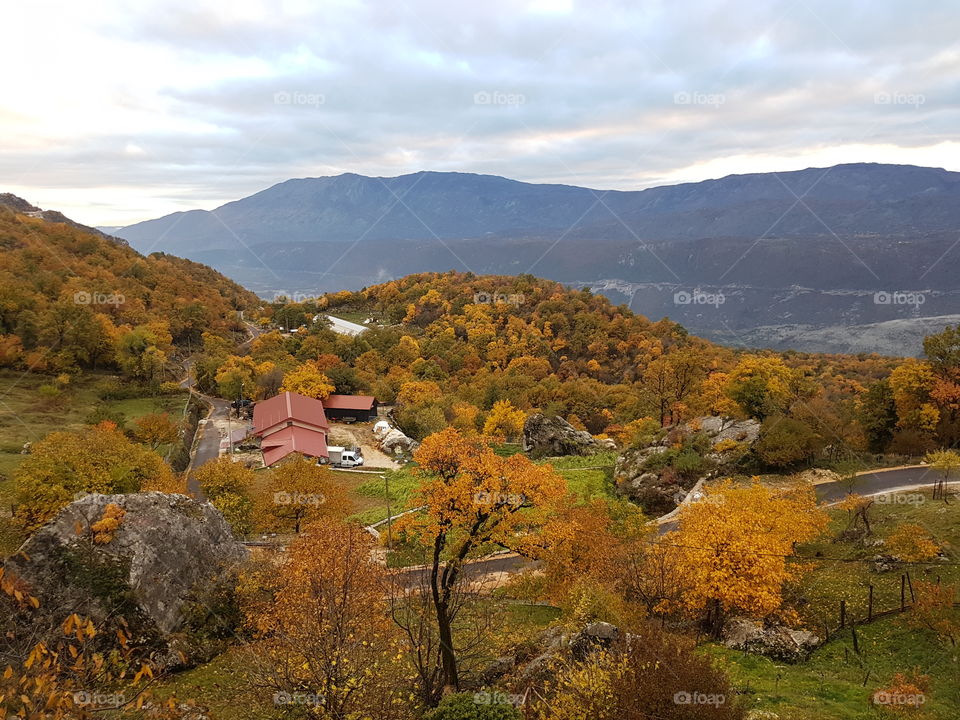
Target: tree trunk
[{"x": 448, "y": 657}]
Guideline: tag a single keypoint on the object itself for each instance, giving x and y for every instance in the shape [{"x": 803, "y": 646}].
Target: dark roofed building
[{"x": 359, "y": 408}]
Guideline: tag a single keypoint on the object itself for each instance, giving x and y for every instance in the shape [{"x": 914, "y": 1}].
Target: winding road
[
  {"x": 206, "y": 445},
  {"x": 879, "y": 482}
]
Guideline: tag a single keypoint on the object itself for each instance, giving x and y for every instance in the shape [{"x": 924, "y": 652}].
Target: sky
[{"x": 116, "y": 111}]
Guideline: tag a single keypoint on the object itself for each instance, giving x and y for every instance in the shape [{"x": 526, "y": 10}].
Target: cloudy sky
[{"x": 116, "y": 111}]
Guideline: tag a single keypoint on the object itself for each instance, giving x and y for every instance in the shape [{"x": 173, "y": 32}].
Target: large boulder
[
  {"x": 656, "y": 487},
  {"x": 778, "y": 642},
  {"x": 552, "y": 436},
  {"x": 165, "y": 560}
]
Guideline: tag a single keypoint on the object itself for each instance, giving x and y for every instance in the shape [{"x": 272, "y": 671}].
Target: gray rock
[
  {"x": 660, "y": 491},
  {"x": 552, "y": 436},
  {"x": 778, "y": 642},
  {"x": 168, "y": 554},
  {"x": 884, "y": 563},
  {"x": 593, "y": 637},
  {"x": 496, "y": 669}
]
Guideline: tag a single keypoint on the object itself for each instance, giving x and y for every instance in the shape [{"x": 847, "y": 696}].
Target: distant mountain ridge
[
  {"x": 861, "y": 198},
  {"x": 806, "y": 248}
]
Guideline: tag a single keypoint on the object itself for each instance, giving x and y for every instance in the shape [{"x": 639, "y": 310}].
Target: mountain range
[{"x": 789, "y": 259}]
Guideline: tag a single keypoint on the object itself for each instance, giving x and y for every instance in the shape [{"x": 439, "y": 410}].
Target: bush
[
  {"x": 657, "y": 676},
  {"x": 785, "y": 442},
  {"x": 474, "y": 706}
]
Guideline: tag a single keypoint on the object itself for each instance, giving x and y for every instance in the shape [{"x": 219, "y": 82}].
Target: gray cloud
[{"x": 609, "y": 94}]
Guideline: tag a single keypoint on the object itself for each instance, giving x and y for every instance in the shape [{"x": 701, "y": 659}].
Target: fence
[{"x": 845, "y": 621}]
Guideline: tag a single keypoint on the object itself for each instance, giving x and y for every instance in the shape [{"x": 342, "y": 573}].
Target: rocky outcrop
[
  {"x": 552, "y": 436},
  {"x": 778, "y": 642},
  {"x": 656, "y": 486},
  {"x": 165, "y": 559}
]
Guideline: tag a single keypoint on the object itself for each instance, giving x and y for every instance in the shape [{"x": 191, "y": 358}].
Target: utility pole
[{"x": 386, "y": 484}]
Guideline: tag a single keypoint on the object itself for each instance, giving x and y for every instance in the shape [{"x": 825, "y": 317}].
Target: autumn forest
[{"x": 570, "y": 511}]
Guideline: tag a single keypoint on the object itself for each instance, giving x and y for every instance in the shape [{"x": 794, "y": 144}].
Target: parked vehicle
[{"x": 345, "y": 457}]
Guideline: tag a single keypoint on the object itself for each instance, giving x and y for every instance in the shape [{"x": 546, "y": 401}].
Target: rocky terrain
[
  {"x": 658, "y": 476},
  {"x": 163, "y": 561}
]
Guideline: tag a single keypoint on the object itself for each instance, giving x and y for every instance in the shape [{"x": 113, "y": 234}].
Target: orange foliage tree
[{"x": 471, "y": 497}]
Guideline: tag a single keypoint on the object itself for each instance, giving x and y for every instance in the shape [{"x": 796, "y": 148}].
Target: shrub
[{"x": 484, "y": 705}]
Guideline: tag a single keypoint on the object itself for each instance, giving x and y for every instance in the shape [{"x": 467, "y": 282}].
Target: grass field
[
  {"x": 848, "y": 570},
  {"x": 224, "y": 687},
  {"x": 837, "y": 683},
  {"x": 28, "y": 415}
]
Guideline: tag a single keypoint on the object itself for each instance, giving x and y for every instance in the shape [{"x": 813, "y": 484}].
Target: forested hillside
[
  {"x": 72, "y": 300},
  {"x": 449, "y": 348}
]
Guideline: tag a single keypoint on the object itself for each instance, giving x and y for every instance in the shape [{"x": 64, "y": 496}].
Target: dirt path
[{"x": 362, "y": 436}]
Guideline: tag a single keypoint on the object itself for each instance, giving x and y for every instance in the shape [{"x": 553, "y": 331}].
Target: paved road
[
  {"x": 207, "y": 447},
  {"x": 420, "y": 576},
  {"x": 879, "y": 482}
]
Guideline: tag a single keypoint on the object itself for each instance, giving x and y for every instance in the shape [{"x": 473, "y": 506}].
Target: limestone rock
[
  {"x": 169, "y": 555},
  {"x": 552, "y": 436},
  {"x": 778, "y": 642}
]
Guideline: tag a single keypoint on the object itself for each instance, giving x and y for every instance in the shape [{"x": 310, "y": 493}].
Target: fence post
[
  {"x": 843, "y": 613},
  {"x": 870, "y": 606},
  {"x": 903, "y": 593},
  {"x": 913, "y": 598}
]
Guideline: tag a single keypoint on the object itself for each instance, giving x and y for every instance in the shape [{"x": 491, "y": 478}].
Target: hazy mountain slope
[
  {"x": 855, "y": 198},
  {"x": 805, "y": 248}
]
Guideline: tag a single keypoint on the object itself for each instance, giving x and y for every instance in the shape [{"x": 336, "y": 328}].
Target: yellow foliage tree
[
  {"x": 734, "y": 547},
  {"x": 65, "y": 465},
  {"x": 504, "y": 420},
  {"x": 471, "y": 496},
  {"x": 298, "y": 492},
  {"x": 321, "y": 626},
  {"x": 912, "y": 543},
  {"x": 307, "y": 379}
]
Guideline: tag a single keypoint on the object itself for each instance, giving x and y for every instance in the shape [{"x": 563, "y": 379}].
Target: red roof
[
  {"x": 349, "y": 402},
  {"x": 288, "y": 406},
  {"x": 278, "y": 445}
]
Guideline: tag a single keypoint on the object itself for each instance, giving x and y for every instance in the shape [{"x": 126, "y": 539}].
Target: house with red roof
[{"x": 291, "y": 423}]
